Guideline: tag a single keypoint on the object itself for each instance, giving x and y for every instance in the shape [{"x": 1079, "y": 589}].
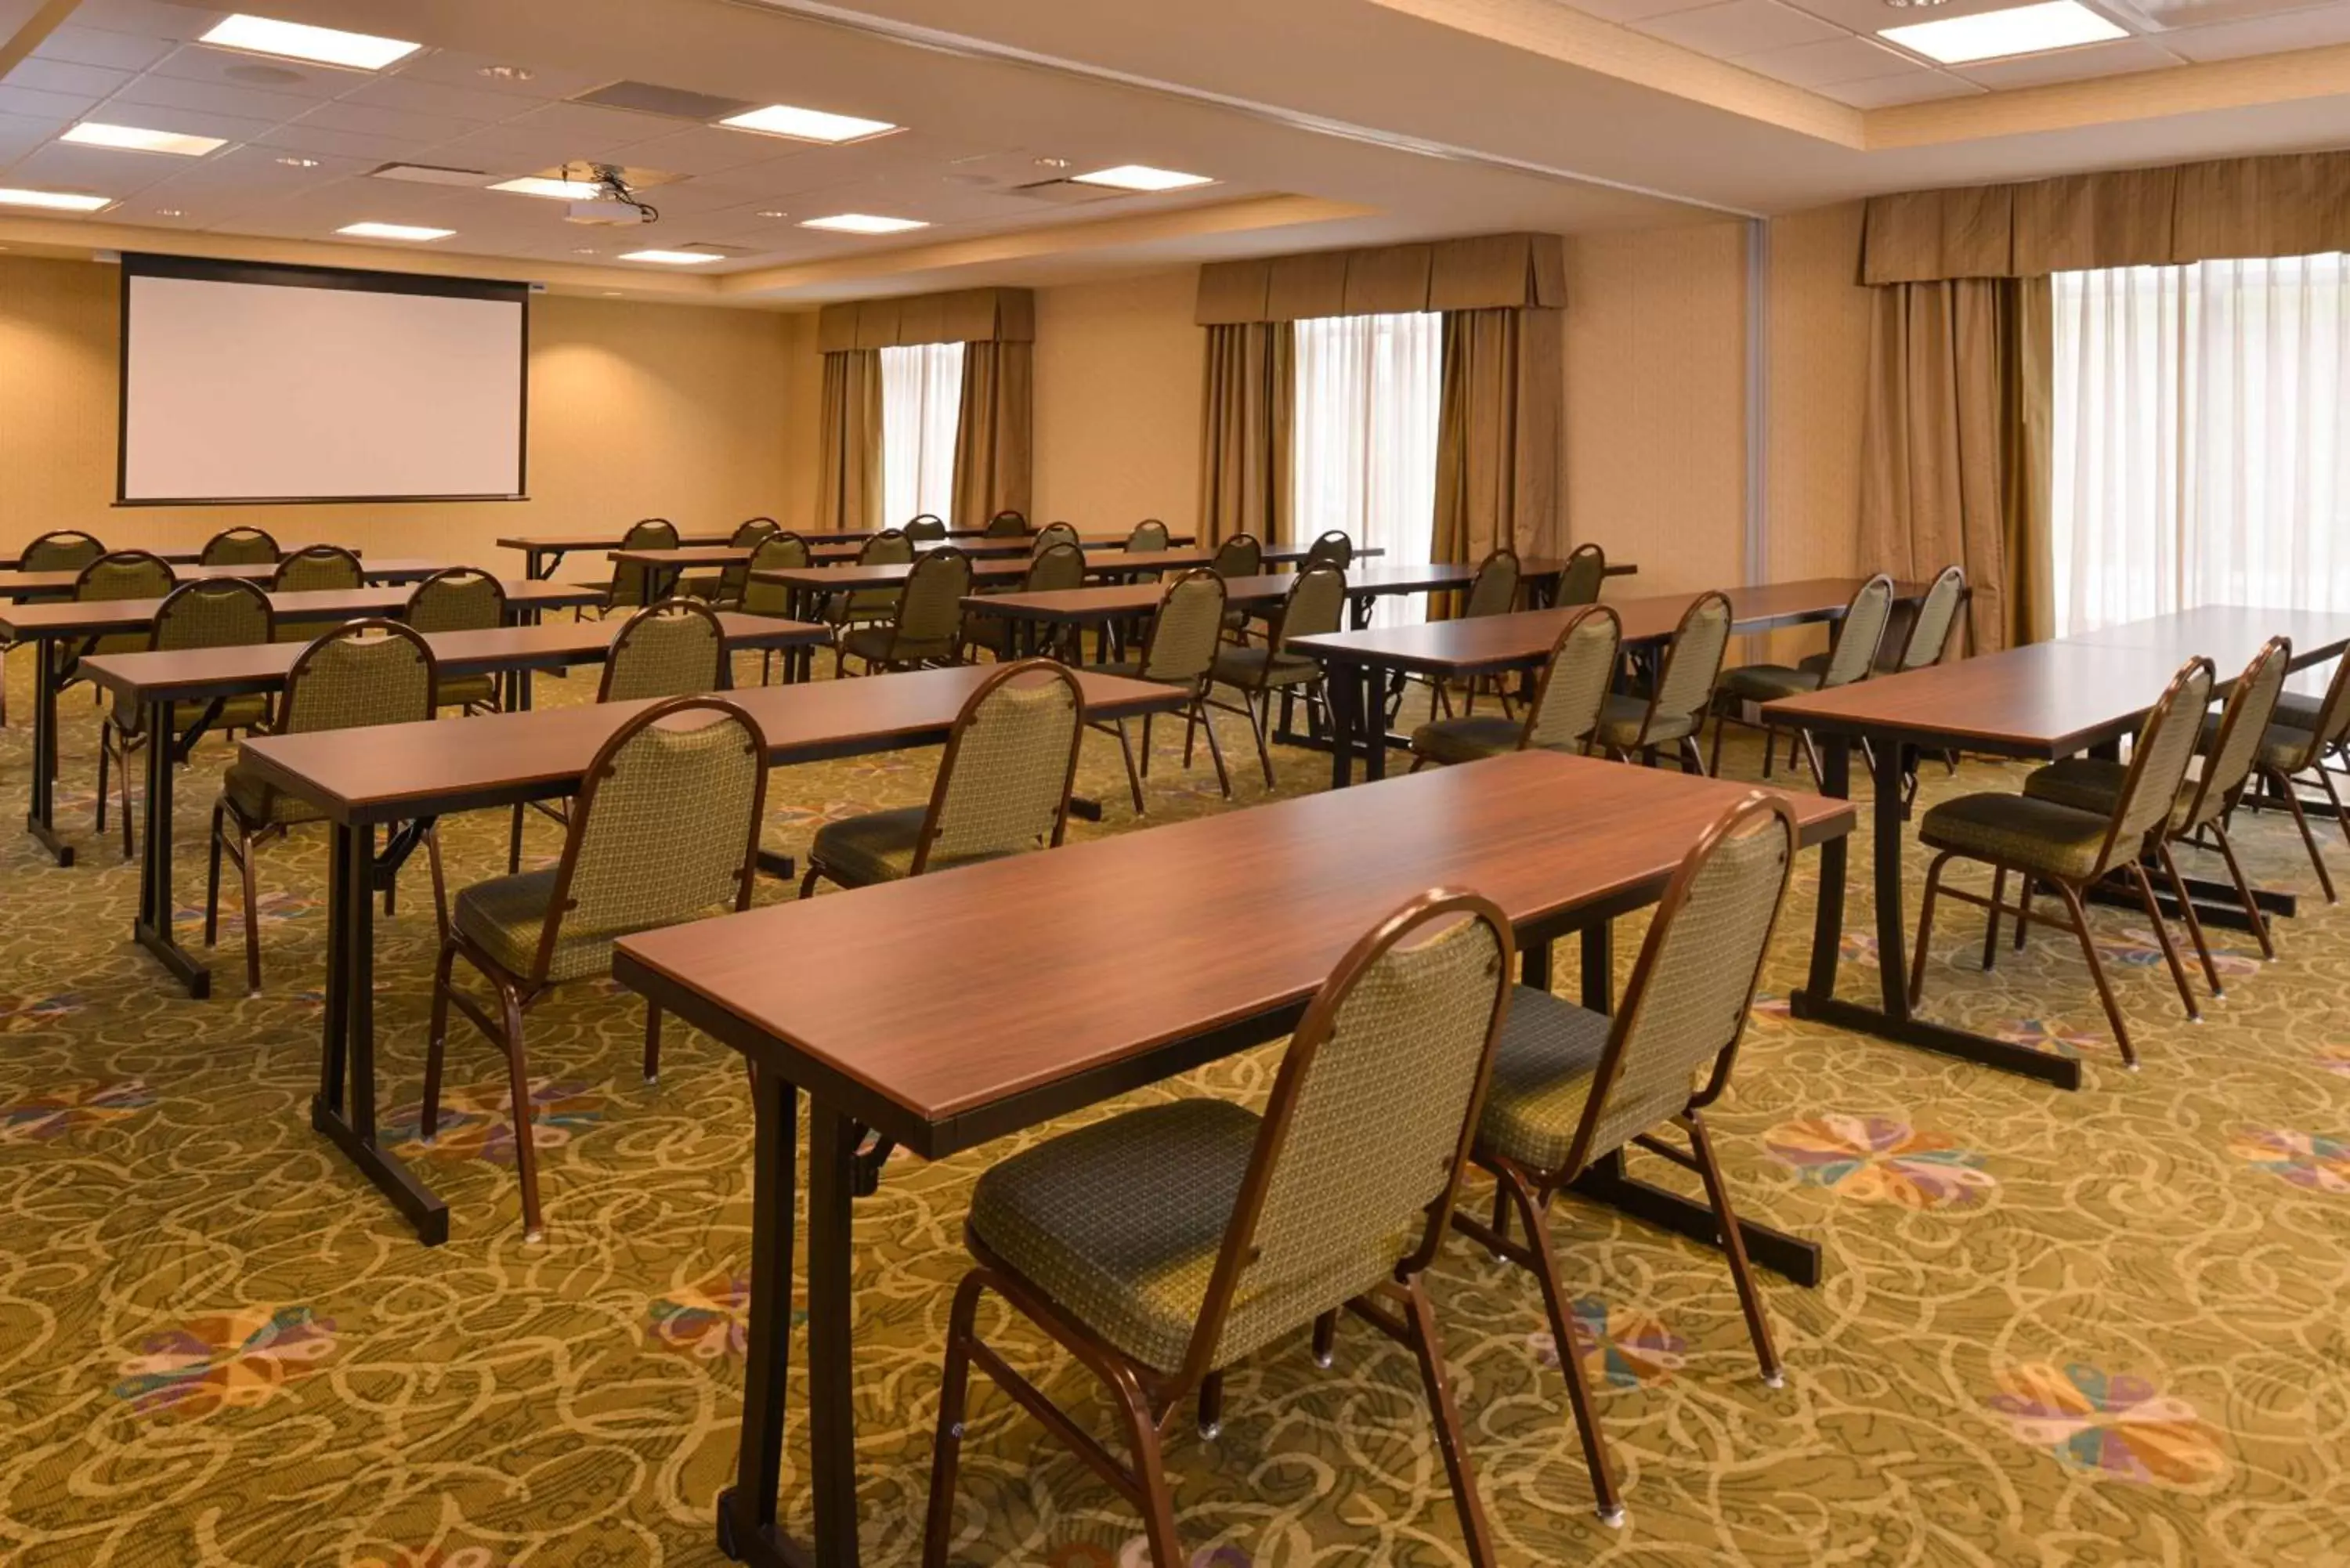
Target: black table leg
[
  {"x": 1606, "y": 1181},
  {"x": 1346, "y": 720},
  {"x": 348, "y": 1048},
  {"x": 1599, "y": 967},
  {"x": 832, "y": 1413},
  {"x": 1372, "y": 718},
  {"x": 748, "y": 1531},
  {"x": 153, "y": 929},
  {"x": 40, "y": 818}
]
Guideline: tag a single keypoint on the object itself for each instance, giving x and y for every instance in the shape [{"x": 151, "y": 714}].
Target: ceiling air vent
[
  {"x": 672, "y": 103},
  {"x": 430, "y": 174}
]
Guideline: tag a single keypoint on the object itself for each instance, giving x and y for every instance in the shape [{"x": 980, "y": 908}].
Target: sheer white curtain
[
  {"x": 921, "y": 403},
  {"x": 1368, "y": 388},
  {"x": 2201, "y": 451}
]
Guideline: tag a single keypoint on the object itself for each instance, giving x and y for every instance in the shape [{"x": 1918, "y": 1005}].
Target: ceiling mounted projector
[{"x": 615, "y": 206}]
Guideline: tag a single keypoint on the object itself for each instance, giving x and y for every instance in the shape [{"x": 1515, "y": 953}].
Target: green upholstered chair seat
[
  {"x": 1466, "y": 739},
  {"x": 2036, "y": 835},
  {"x": 2295, "y": 711},
  {"x": 1543, "y": 1069},
  {"x": 877, "y": 643},
  {"x": 2095, "y": 784},
  {"x": 1261, "y": 666},
  {"x": 506, "y": 915},
  {"x": 866, "y": 605},
  {"x": 992, "y": 632},
  {"x": 699, "y": 586},
  {"x": 1813, "y": 664},
  {"x": 1768, "y": 682},
  {"x": 236, "y": 713},
  {"x": 466, "y": 690},
  {"x": 2284, "y": 746},
  {"x": 261, "y": 803},
  {"x": 879, "y": 846},
  {"x": 1619, "y": 724}
]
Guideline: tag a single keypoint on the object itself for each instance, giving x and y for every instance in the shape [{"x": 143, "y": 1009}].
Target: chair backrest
[
  {"x": 1007, "y": 524},
  {"x": 673, "y": 648},
  {"x": 1316, "y": 602},
  {"x": 1060, "y": 564},
  {"x": 2243, "y": 720},
  {"x": 1580, "y": 578},
  {"x": 889, "y": 548},
  {"x": 1358, "y": 1161},
  {"x": 1862, "y": 630},
  {"x": 1052, "y": 534},
  {"x": 1003, "y": 783},
  {"x": 631, "y": 580},
  {"x": 1574, "y": 682},
  {"x": 1495, "y": 590},
  {"x": 60, "y": 550},
  {"x": 666, "y": 825},
  {"x": 2166, "y": 744},
  {"x": 2333, "y": 725},
  {"x": 459, "y": 598},
  {"x": 1693, "y": 659},
  {"x": 775, "y": 552},
  {"x": 239, "y": 547},
  {"x": 1185, "y": 631},
  {"x": 125, "y": 575},
  {"x": 751, "y": 530},
  {"x": 1687, "y": 1002},
  {"x": 1938, "y": 612},
  {"x": 1150, "y": 536},
  {"x": 1335, "y": 547},
  {"x": 929, "y": 610},
  {"x": 212, "y": 612},
  {"x": 362, "y": 672},
  {"x": 317, "y": 568},
  {"x": 927, "y": 529},
  {"x": 1242, "y": 555}
]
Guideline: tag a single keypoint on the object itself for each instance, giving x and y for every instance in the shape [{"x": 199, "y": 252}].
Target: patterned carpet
[{"x": 2105, "y": 1327}]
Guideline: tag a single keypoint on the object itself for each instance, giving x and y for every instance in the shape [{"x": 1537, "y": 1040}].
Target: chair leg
[
  {"x": 1215, "y": 749},
  {"x": 1158, "y": 1498},
  {"x": 1146, "y": 746},
  {"x": 1926, "y": 927},
  {"x": 2162, "y": 936},
  {"x": 1812, "y": 756},
  {"x": 244, "y": 858},
  {"x": 652, "y": 1042},
  {"x": 1511, "y": 1187},
  {"x": 1693, "y": 761},
  {"x": 2334, "y": 797},
  {"x": 2308, "y": 837},
  {"x": 1427, "y": 1347},
  {"x": 1325, "y": 1340},
  {"x": 129, "y": 848},
  {"x": 2194, "y": 920},
  {"x": 1722, "y": 728},
  {"x": 514, "y": 842},
  {"x": 2097, "y": 973},
  {"x": 2244, "y": 892},
  {"x": 533, "y": 1228},
  {"x": 1734, "y": 1247},
  {"x": 1990, "y": 925},
  {"x": 437, "y": 1042},
  {"x": 1133, "y": 778},
  {"x": 212, "y": 882},
  {"x": 1260, "y": 715},
  {"x": 954, "y": 1393},
  {"x": 105, "y": 748},
  {"x": 1211, "y": 1405},
  {"x": 2023, "y": 910}
]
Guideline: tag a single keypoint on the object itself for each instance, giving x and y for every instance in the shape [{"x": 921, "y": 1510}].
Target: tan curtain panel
[
  {"x": 1955, "y": 446},
  {"x": 2289, "y": 204},
  {"x": 1499, "y": 435},
  {"x": 965, "y": 315},
  {"x": 995, "y": 436},
  {"x": 1490, "y": 272},
  {"x": 848, "y": 444},
  {"x": 1247, "y": 417}
]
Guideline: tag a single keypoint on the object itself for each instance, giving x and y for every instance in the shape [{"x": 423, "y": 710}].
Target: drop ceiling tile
[
  {"x": 418, "y": 129},
  {"x": 416, "y": 96},
  {"x": 19, "y": 136},
  {"x": 1836, "y": 60},
  {"x": 187, "y": 121},
  {"x": 709, "y": 149},
  {"x": 1739, "y": 28},
  {"x": 1882, "y": 92},
  {"x": 148, "y": 18},
  {"x": 89, "y": 46},
  {"x": 597, "y": 130},
  {"x": 60, "y": 167},
  {"x": 59, "y": 76},
  {"x": 1866, "y": 16},
  {"x": 2312, "y": 28},
  {"x": 1627, "y": 11},
  {"x": 285, "y": 79},
  {"x": 2121, "y": 56},
  {"x": 314, "y": 139},
  {"x": 214, "y": 98},
  {"x": 449, "y": 67},
  {"x": 60, "y": 109}
]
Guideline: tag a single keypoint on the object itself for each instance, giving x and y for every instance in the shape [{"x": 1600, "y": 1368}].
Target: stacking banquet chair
[
  {"x": 240, "y": 547},
  {"x": 1058, "y": 566},
  {"x": 60, "y": 550},
  {"x": 1674, "y": 710},
  {"x": 2066, "y": 848},
  {"x": 776, "y": 552},
  {"x": 1052, "y": 534},
  {"x": 216, "y": 612},
  {"x": 317, "y": 568},
  {"x": 1003, "y": 786},
  {"x": 1333, "y": 546},
  {"x": 862, "y": 607},
  {"x": 666, "y": 829},
  {"x": 631, "y": 585},
  {"x": 1914, "y": 639},
  {"x": 929, "y": 528},
  {"x": 1007, "y": 524},
  {"x": 2235, "y": 740},
  {"x": 1492, "y": 591},
  {"x": 1242, "y": 555},
  {"x": 1580, "y": 578},
  {"x": 1166, "y": 1244},
  {"x": 1316, "y": 602},
  {"x": 1574, "y": 1088},
  {"x": 1180, "y": 651},
  {"x": 1857, "y": 636},
  {"x": 460, "y": 598},
  {"x": 2303, "y": 734},
  {"x": 724, "y": 588},
  {"x": 119, "y": 574},
  {"x": 1149, "y": 537},
  {"x": 1565, "y": 705},
  {"x": 924, "y": 627},
  {"x": 361, "y": 673}
]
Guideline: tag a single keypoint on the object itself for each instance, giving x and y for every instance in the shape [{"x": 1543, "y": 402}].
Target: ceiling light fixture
[
  {"x": 808, "y": 124},
  {"x": 295, "y": 41},
  {"x": 56, "y": 201},
  {"x": 505, "y": 73},
  {"x": 130, "y": 138},
  {"x": 560, "y": 190},
  {"x": 1997, "y": 34},
  {"x": 393, "y": 232},
  {"x": 863, "y": 224},
  {"x": 669, "y": 258},
  {"x": 1143, "y": 177},
  {"x": 299, "y": 162}
]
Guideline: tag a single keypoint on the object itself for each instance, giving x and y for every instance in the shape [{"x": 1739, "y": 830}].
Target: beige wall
[
  {"x": 1118, "y": 403},
  {"x": 687, "y": 412},
  {"x": 1818, "y": 334}
]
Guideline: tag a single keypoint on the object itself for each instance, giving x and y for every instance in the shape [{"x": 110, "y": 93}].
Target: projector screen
[{"x": 260, "y": 383}]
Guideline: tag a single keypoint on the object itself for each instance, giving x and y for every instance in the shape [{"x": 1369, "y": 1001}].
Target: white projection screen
[{"x": 261, "y": 383}]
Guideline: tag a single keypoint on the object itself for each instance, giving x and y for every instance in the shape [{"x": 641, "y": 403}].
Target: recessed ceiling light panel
[
  {"x": 561, "y": 190},
  {"x": 295, "y": 41},
  {"x": 669, "y": 258},
  {"x": 807, "y": 124},
  {"x": 54, "y": 201},
  {"x": 1998, "y": 35},
  {"x": 131, "y": 139},
  {"x": 1143, "y": 177},
  {"x": 863, "y": 224},
  {"x": 393, "y": 232}
]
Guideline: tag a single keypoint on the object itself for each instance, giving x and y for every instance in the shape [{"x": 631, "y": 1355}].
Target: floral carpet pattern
[{"x": 2103, "y": 1327}]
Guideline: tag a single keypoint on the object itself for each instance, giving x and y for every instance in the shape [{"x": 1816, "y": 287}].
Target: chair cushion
[
  {"x": 1768, "y": 682},
  {"x": 1619, "y": 724},
  {"x": 874, "y": 644},
  {"x": 263, "y": 805},
  {"x": 2035, "y": 836},
  {"x": 2283, "y": 747},
  {"x": 878, "y": 846},
  {"x": 1466, "y": 739},
  {"x": 1542, "y": 1075},
  {"x": 2298, "y": 711},
  {"x": 1813, "y": 664},
  {"x": 1259, "y": 666},
  {"x": 466, "y": 690},
  {"x": 1120, "y": 1222},
  {"x": 506, "y": 916},
  {"x": 2085, "y": 783}
]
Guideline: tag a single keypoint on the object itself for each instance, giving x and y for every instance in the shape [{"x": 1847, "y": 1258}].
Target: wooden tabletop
[
  {"x": 1511, "y": 641},
  {"x": 604, "y": 540},
  {"x": 16, "y": 585},
  {"x": 181, "y": 555},
  {"x": 2053, "y": 699},
  {"x": 83, "y": 618},
  {"x": 970, "y": 1038},
  {"x": 1118, "y": 601},
  {"x": 392, "y": 772},
  {"x": 841, "y": 578},
  {"x": 202, "y": 674}
]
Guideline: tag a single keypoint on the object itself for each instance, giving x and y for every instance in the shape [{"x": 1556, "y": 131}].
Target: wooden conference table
[
  {"x": 542, "y": 553},
  {"x": 22, "y": 585},
  {"x": 45, "y": 625},
  {"x": 177, "y": 554},
  {"x": 1361, "y": 664},
  {"x": 2043, "y": 701},
  {"x": 962, "y": 1047},
  {"x": 161, "y": 683},
  {"x": 668, "y": 566},
  {"x": 395, "y": 773}
]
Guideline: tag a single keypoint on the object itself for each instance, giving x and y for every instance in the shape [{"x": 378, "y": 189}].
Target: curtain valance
[
  {"x": 965, "y": 315},
  {"x": 1485, "y": 272},
  {"x": 2287, "y": 204}
]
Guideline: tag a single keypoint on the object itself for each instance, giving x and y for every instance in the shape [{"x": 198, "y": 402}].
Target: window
[
  {"x": 1367, "y": 393},
  {"x": 2201, "y": 455},
  {"x": 921, "y": 403}
]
